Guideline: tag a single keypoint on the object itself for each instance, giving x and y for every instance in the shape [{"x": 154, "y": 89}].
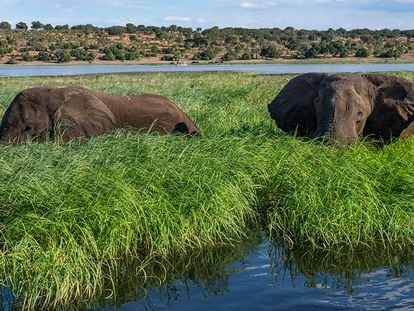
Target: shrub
[
  {"x": 132, "y": 54},
  {"x": 229, "y": 56},
  {"x": 270, "y": 51},
  {"x": 27, "y": 57},
  {"x": 362, "y": 52},
  {"x": 44, "y": 56},
  {"x": 208, "y": 54},
  {"x": 169, "y": 58},
  {"x": 63, "y": 56},
  {"x": 108, "y": 56},
  {"x": 247, "y": 56}
]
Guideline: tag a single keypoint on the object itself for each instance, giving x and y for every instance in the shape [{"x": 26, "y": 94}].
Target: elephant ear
[
  {"x": 81, "y": 114},
  {"x": 393, "y": 108},
  {"x": 293, "y": 108}
]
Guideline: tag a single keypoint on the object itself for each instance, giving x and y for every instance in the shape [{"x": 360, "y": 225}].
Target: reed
[{"x": 70, "y": 213}]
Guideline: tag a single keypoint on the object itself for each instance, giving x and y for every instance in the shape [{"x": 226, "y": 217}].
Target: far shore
[{"x": 156, "y": 61}]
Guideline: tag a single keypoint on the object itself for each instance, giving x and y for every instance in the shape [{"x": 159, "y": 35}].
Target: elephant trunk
[
  {"x": 324, "y": 126},
  {"x": 335, "y": 127},
  {"x": 325, "y": 119}
]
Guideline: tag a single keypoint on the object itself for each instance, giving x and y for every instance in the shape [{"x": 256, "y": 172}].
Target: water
[
  {"x": 264, "y": 276},
  {"x": 54, "y": 70}
]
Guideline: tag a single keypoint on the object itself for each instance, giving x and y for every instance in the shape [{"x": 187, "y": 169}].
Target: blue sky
[{"x": 308, "y": 14}]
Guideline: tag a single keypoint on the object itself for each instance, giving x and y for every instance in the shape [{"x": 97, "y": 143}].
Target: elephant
[
  {"x": 70, "y": 112},
  {"x": 343, "y": 107},
  {"x": 407, "y": 132}
]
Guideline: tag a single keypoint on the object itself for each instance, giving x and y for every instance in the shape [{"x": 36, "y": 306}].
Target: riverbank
[
  {"x": 71, "y": 213},
  {"x": 156, "y": 61}
]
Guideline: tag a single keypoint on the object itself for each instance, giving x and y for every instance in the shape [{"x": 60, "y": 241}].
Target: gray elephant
[
  {"x": 345, "y": 107},
  {"x": 38, "y": 113}
]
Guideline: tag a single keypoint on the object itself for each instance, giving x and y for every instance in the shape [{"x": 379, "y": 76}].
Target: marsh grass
[{"x": 72, "y": 212}]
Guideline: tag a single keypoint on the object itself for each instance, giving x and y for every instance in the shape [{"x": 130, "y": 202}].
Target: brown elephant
[
  {"x": 344, "y": 107},
  {"x": 71, "y": 112},
  {"x": 407, "y": 132}
]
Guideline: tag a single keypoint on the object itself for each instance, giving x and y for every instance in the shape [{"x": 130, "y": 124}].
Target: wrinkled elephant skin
[
  {"x": 345, "y": 107},
  {"x": 72, "y": 112}
]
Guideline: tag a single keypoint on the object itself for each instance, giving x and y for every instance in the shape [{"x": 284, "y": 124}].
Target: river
[
  {"x": 64, "y": 70},
  {"x": 266, "y": 276}
]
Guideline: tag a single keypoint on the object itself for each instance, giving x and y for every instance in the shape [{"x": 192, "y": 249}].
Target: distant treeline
[{"x": 62, "y": 43}]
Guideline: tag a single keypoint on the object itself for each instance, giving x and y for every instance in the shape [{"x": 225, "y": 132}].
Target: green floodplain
[{"x": 74, "y": 215}]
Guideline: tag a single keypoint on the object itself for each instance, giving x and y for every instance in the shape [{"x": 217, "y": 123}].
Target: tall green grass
[{"x": 71, "y": 213}]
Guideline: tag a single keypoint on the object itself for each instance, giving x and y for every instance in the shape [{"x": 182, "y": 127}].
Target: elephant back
[{"x": 393, "y": 106}]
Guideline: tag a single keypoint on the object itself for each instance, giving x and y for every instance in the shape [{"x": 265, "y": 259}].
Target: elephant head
[
  {"x": 25, "y": 118},
  {"x": 41, "y": 113},
  {"x": 344, "y": 107}
]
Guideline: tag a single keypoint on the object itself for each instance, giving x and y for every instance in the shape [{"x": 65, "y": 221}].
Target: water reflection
[
  {"x": 203, "y": 272},
  {"x": 261, "y": 274},
  {"x": 264, "y": 275}
]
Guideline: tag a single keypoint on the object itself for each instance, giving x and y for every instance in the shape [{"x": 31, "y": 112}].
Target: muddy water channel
[{"x": 263, "y": 275}]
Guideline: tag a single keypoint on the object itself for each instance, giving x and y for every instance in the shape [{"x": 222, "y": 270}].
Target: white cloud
[
  {"x": 257, "y": 4},
  {"x": 129, "y": 4},
  {"x": 248, "y": 5},
  {"x": 177, "y": 19},
  {"x": 61, "y": 7}
]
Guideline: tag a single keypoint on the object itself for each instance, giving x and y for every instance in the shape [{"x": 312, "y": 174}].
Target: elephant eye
[{"x": 28, "y": 128}]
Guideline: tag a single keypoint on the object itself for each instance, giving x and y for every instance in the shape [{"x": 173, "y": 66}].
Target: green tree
[
  {"x": 48, "y": 27},
  {"x": 44, "y": 56},
  {"x": 343, "y": 53},
  {"x": 247, "y": 56},
  {"x": 27, "y": 57},
  {"x": 311, "y": 52},
  {"x": 231, "y": 39},
  {"x": 79, "y": 54},
  {"x": 63, "y": 56},
  {"x": 90, "y": 57},
  {"x": 5, "y": 25},
  {"x": 115, "y": 30},
  {"x": 154, "y": 50},
  {"x": 270, "y": 51},
  {"x": 108, "y": 56},
  {"x": 130, "y": 28},
  {"x": 37, "y": 25},
  {"x": 229, "y": 56},
  {"x": 361, "y": 52},
  {"x": 208, "y": 54},
  {"x": 21, "y": 26},
  {"x": 168, "y": 50},
  {"x": 132, "y": 54},
  {"x": 393, "y": 52},
  {"x": 62, "y": 27}
]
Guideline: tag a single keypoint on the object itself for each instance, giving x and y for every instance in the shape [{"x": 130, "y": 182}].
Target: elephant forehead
[{"x": 349, "y": 86}]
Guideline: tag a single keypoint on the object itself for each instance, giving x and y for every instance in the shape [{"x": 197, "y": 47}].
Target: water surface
[
  {"x": 57, "y": 70},
  {"x": 266, "y": 276}
]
